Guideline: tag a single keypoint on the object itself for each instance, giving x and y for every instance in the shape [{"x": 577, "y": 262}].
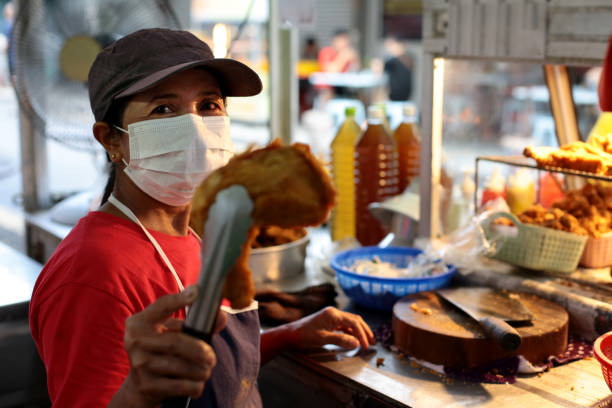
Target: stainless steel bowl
[
  {"x": 277, "y": 262},
  {"x": 402, "y": 227}
]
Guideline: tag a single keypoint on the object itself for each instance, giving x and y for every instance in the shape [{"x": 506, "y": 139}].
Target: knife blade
[{"x": 493, "y": 310}]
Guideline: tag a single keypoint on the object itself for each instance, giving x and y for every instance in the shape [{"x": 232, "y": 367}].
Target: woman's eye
[
  {"x": 210, "y": 106},
  {"x": 161, "y": 109}
]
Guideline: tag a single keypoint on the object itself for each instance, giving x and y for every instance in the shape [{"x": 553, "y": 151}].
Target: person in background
[
  {"x": 8, "y": 14},
  {"x": 311, "y": 49},
  {"x": 398, "y": 67},
  {"x": 340, "y": 56},
  {"x": 107, "y": 309}
]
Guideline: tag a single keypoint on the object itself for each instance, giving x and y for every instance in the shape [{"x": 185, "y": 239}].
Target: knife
[
  {"x": 225, "y": 232},
  {"x": 493, "y": 310}
]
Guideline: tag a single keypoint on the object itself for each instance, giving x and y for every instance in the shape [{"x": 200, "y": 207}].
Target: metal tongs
[{"x": 225, "y": 232}]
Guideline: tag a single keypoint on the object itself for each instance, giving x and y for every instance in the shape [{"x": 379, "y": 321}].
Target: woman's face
[{"x": 191, "y": 91}]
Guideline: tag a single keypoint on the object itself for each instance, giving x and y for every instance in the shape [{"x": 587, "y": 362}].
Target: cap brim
[{"x": 236, "y": 78}]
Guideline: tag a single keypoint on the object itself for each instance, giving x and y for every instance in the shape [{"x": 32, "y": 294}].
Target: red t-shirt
[{"x": 104, "y": 271}]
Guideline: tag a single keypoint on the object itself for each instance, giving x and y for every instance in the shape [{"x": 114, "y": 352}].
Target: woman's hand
[
  {"x": 331, "y": 326},
  {"x": 164, "y": 362}
]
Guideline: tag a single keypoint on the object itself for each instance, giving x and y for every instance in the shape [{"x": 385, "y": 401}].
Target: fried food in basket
[
  {"x": 575, "y": 156},
  {"x": 289, "y": 188},
  {"x": 587, "y": 211}
]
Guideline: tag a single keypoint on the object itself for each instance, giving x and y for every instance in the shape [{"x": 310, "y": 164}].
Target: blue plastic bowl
[{"x": 381, "y": 293}]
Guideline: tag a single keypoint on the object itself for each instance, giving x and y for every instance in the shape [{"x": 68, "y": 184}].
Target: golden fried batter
[
  {"x": 575, "y": 156},
  {"x": 289, "y": 188},
  {"x": 587, "y": 211}
]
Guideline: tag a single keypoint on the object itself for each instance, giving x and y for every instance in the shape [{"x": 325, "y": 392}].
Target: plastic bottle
[
  {"x": 408, "y": 142},
  {"x": 495, "y": 188},
  {"x": 461, "y": 207},
  {"x": 342, "y": 152},
  {"x": 376, "y": 175},
  {"x": 456, "y": 211},
  {"x": 520, "y": 193},
  {"x": 468, "y": 187}
]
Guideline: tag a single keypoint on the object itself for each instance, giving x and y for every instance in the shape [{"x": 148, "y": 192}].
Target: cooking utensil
[
  {"x": 273, "y": 263},
  {"x": 400, "y": 215},
  {"x": 427, "y": 327},
  {"x": 492, "y": 309},
  {"x": 225, "y": 231}
]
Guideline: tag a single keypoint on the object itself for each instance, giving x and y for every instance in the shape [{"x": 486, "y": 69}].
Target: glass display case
[{"x": 495, "y": 78}]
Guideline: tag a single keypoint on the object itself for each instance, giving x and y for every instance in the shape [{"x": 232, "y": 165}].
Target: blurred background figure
[
  {"x": 399, "y": 67},
  {"x": 8, "y": 15},
  {"x": 307, "y": 65},
  {"x": 311, "y": 49},
  {"x": 340, "y": 56}
]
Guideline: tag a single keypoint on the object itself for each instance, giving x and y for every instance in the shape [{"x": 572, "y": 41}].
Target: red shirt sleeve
[
  {"x": 326, "y": 56},
  {"x": 605, "y": 81},
  {"x": 82, "y": 346}
]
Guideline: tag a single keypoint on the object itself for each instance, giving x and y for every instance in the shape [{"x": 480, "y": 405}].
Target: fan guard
[{"x": 53, "y": 44}]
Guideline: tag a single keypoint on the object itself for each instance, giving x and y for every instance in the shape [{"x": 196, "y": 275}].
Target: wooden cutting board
[{"x": 433, "y": 330}]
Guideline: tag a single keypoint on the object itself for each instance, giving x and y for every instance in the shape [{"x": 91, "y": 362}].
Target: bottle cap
[
  {"x": 376, "y": 112},
  {"x": 409, "y": 110},
  {"x": 496, "y": 182},
  {"x": 350, "y": 111}
]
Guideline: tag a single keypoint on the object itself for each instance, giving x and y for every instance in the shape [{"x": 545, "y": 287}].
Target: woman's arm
[{"x": 328, "y": 326}]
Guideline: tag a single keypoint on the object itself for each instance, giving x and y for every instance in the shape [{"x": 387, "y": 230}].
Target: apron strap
[{"x": 128, "y": 213}]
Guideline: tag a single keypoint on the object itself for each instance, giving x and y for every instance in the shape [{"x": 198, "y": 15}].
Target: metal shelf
[{"x": 521, "y": 161}]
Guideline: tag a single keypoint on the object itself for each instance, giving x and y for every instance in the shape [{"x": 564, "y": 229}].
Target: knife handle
[
  {"x": 504, "y": 334},
  {"x": 183, "y": 402}
]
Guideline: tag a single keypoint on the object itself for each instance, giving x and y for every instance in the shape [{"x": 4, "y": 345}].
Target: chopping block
[{"x": 433, "y": 330}]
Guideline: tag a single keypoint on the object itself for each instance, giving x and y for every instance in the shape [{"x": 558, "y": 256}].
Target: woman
[{"x": 107, "y": 309}]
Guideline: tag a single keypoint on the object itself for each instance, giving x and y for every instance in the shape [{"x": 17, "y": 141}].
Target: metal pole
[
  {"x": 288, "y": 93},
  {"x": 274, "y": 64},
  {"x": 34, "y": 174}
]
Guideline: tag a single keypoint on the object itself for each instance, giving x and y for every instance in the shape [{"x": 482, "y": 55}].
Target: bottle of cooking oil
[
  {"x": 342, "y": 152},
  {"x": 376, "y": 175},
  {"x": 408, "y": 142}
]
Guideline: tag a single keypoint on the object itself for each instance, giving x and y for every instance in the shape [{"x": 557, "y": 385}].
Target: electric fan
[
  {"x": 53, "y": 44},
  {"x": 52, "y": 47}
]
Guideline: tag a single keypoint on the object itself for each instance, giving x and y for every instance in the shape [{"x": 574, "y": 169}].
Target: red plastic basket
[{"x": 603, "y": 353}]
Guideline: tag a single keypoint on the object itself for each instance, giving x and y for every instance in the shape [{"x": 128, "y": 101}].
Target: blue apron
[{"x": 233, "y": 380}]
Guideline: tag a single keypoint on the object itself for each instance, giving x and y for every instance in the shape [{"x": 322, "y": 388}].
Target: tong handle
[{"x": 183, "y": 402}]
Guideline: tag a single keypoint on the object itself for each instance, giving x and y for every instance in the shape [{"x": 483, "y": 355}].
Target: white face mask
[{"x": 170, "y": 157}]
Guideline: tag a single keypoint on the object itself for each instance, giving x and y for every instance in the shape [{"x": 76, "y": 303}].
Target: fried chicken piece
[
  {"x": 576, "y": 156},
  {"x": 289, "y": 188},
  {"x": 602, "y": 142},
  {"x": 272, "y": 235}
]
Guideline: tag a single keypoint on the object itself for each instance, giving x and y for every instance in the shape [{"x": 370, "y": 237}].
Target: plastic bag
[{"x": 468, "y": 247}]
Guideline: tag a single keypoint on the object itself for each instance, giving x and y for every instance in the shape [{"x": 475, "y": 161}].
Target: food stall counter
[{"x": 380, "y": 377}]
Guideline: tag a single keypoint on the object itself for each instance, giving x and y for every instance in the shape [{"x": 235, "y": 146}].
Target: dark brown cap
[{"x": 142, "y": 59}]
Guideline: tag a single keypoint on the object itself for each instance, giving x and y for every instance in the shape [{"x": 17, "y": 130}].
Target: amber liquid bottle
[
  {"x": 343, "y": 152},
  {"x": 408, "y": 142},
  {"x": 376, "y": 176}
]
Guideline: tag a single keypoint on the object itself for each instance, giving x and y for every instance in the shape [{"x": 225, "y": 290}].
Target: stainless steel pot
[{"x": 278, "y": 262}]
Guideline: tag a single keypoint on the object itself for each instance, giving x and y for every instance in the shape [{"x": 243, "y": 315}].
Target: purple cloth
[{"x": 500, "y": 371}]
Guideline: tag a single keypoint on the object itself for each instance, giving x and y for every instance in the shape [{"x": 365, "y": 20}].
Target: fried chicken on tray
[
  {"x": 289, "y": 188},
  {"x": 581, "y": 156}
]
